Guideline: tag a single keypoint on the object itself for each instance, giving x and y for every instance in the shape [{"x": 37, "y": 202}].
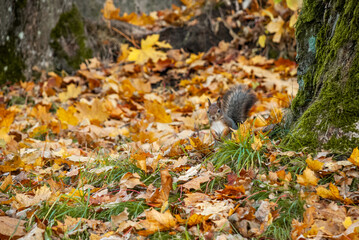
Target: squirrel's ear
[
  {"x": 219, "y": 101},
  {"x": 209, "y": 102}
]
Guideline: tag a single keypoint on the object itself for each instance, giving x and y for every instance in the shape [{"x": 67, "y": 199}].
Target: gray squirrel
[{"x": 230, "y": 111}]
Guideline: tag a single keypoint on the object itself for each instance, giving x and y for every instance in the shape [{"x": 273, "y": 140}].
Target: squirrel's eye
[
  {"x": 219, "y": 110},
  {"x": 208, "y": 112}
]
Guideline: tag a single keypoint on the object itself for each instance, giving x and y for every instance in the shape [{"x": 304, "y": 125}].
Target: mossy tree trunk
[
  {"x": 24, "y": 35},
  {"x": 57, "y": 34},
  {"x": 326, "y": 108}
]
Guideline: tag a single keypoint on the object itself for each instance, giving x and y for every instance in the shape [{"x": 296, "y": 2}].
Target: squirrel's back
[{"x": 237, "y": 102}]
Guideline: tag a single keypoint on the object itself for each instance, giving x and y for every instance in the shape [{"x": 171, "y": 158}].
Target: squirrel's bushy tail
[{"x": 237, "y": 102}]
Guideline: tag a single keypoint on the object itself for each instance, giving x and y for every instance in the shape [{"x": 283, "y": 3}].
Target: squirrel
[{"x": 230, "y": 111}]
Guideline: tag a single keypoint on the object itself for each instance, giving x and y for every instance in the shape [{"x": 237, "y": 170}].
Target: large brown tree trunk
[{"x": 326, "y": 108}]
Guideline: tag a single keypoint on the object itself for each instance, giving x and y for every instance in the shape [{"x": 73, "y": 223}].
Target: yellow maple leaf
[
  {"x": 41, "y": 113},
  {"x": 194, "y": 57},
  {"x": 72, "y": 92},
  {"x": 332, "y": 193},
  {"x": 156, "y": 221},
  {"x": 74, "y": 194},
  {"x": 354, "y": 158},
  {"x": 148, "y": 50},
  {"x": 7, "y": 119},
  {"x": 39, "y": 131},
  {"x": 109, "y": 10},
  {"x": 262, "y": 40},
  {"x": 293, "y": 19},
  {"x": 139, "y": 20},
  {"x": 158, "y": 111},
  {"x": 127, "y": 89},
  {"x": 96, "y": 112},
  {"x": 347, "y": 222},
  {"x": 12, "y": 165},
  {"x": 276, "y": 26},
  {"x": 67, "y": 116},
  {"x": 195, "y": 219},
  {"x": 124, "y": 53},
  {"x": 308, "y": 178},
  {"x": 294, "y": 5},
  {"x": 7, "y": 181},
  {"x": 4, "y": 135},
  {"x": 313, "y": 231},
  {"x": 276, "y": 115},
  {"x": 257, "y": 144},
  {"x": 315, "y": 165}
]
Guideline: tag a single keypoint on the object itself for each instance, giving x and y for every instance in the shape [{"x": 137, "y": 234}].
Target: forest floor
[{"x": 123, "y": 150}]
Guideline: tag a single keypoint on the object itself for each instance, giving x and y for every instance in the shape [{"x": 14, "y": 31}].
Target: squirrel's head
[{"x": 214, "y": 111}]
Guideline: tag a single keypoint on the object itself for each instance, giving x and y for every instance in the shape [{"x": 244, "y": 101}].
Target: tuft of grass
[
  {"x": 238, "y": 154},
  {"x": 134, "y": 208},
  {"x": 96, "y": 174},
  {"x": 289, "y": 205},
  {"x": 169, "y": 236},
  {"x": 213, "y": 185},
  {"x": 119, "y": 168},
  {"x": 282, "y": 226}
]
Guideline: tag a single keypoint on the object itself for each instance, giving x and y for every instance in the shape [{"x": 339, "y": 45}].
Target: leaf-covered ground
[{"x": 123, "y": 150}]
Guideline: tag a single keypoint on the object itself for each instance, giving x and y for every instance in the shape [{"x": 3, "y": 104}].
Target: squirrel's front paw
[{"x": 215, "y": 135}]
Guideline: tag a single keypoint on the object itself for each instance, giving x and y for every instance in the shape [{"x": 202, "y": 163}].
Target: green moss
[
  {"x": 20, "y": 3},
  {"x": 327, "y": 103},
  {"x": 11, "y": 63},
  {"x": 68, "y": 40}
]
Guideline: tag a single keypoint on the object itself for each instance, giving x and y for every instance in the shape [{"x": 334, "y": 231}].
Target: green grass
[
  {"x": 213, "y": 185},
  {"x": 238, "y": 155},
  {"x": 114, "y": 175},
  {"x": 134, "y": 208},
  {"x": 282, "y": 226},
  {"x": 289, "y": 205},
  {"x": 80, "y": 206},
  {"x": 167, "y": 236}
]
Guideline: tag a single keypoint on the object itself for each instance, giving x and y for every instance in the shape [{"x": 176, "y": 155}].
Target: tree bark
[
  {"x": 25, "y": 34},
  {"x": 326, "y": 108},
  {"x": 58, "y": 34}
]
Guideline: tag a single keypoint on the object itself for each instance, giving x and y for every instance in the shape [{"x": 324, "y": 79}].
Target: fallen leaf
[
  {"x": 332, "y": 193},
  {"x": 156, "y": 221},
  {"x": 308, "y": 178},
  {"x": 315, "y": 165},
  {"x": 158, "y": 111},
  {"x": 22, "y": 200},
  {"x": 130, "y": 180},
  {"x": 7, "y": 181},
  {"x": 72, "y": 92},
  {"x": 148, "y": 50},
  {"x": 11, "y": 227},
  {"x": 354, "y": 157}
]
